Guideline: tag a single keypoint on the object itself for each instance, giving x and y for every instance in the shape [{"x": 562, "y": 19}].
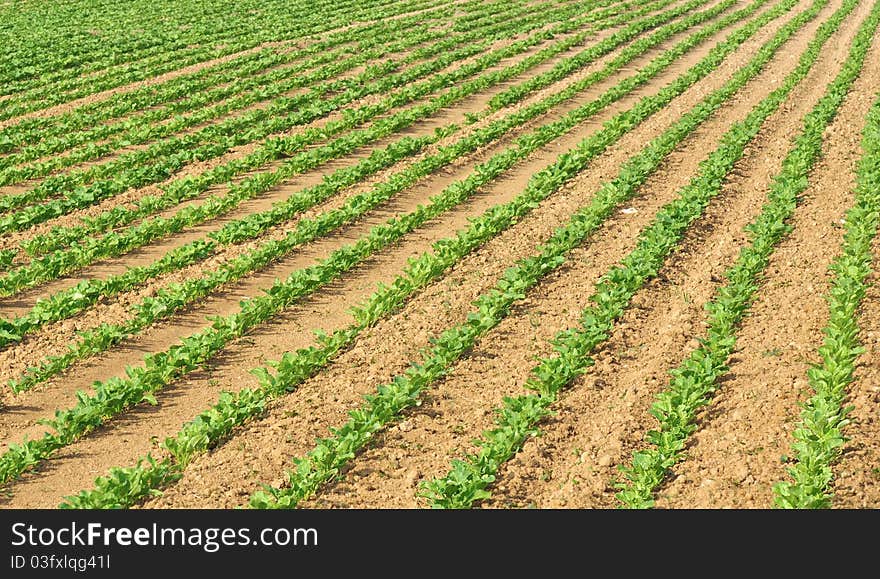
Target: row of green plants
[
  {"x": 570, "y": 65},
  {"x": 148, "y": 51},
  {"x": 89, "y": 249},
  {"x": 176, "y": 297},
  {"x": 517, "y": 420},
  {"x": 468, "y": 480},
  {"x": 241, "y": 39},
  {"x": 819, "y": 438},
  {"x": 61, "y": 236},
  {"x": 117, "y": 394},
  {"x": 73, "y": 183},
  {"x": 273, "y": 148},
  {"x": 67, "y": 303}
]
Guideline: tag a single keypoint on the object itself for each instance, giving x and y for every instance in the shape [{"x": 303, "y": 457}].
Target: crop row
[
  {"x": 518, "y": 418},
  {"x": 295, "y": 367},
  {"x": 85, "y": 187},
  {"x": 117, "y": 394},
  {"x": 67, "y": 303},
  {"x": 232, "y": 42}
]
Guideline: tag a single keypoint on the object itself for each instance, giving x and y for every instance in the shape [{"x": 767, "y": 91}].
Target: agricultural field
[{"x": 468, "y": 254}]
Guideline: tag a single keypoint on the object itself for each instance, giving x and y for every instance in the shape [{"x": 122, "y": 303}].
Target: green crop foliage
[
  {"x": 65, "y": 304},
  {"x": 331, "y": 454},
  {"x": 468, "y": 479},
  {"x": 819, "y": 437},
  {"x": 294, "y": 368},
  {"x": 695, "y": 381}
]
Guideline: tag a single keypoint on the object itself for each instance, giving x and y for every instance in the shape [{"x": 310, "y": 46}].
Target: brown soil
[
  {"x": 55, "y": 337},
  {"x": 747, "y": 430},
  {"x": 418, "y": 321}
]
